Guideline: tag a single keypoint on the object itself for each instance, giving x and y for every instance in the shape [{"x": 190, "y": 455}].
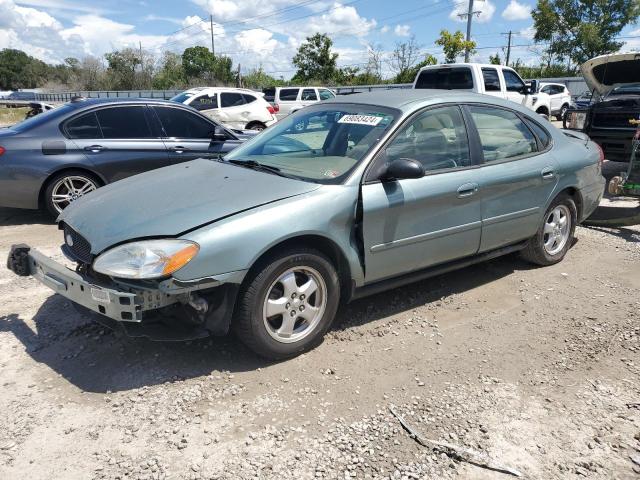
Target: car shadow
[
  {"x": 99, "y": 360},
  {"x": 18, "y": 216}
]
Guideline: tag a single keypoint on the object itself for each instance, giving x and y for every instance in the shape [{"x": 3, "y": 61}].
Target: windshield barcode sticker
[{"x": 361, "y": 119}]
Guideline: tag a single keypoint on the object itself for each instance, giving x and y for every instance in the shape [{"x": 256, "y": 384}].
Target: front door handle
[
  {"x": 548, "y": 173},
  {"x": 95, "y": 148},
  {"x": 467, "y": 190},
  {"x": 178, "y": 149}
]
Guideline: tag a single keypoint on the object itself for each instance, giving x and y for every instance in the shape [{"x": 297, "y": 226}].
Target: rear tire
[
  {"x": 257, "y": 126},
  {"x": 287, "y": 304},
  {"x": 71, "y": 184},
  {"x": 555, "y": 234}
]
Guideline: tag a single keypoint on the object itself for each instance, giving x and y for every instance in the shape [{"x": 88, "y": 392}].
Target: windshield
[
  {"x": 41, "y": 118},
  {"x": 631, "y": 89},
  {"x": 321, "y": 143},
  {"x": 182, "y": 97}
]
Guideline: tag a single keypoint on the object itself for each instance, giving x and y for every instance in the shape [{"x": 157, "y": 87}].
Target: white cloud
[
  {"x": 528, "y": 32},
  {"x": 384, "y": 29},
  {"x": 402, "y": 30},
  {"x": 257, "y": 40},
  {"x": 63, "y": 5},
  {"x": 516, "y": 11},
  {"x": 241, "y": 10},
  {"x": 486, "y": 9}
]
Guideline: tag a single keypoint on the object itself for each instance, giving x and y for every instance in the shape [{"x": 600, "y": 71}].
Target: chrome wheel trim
[
  {"x": 70, "y": 188},
  {"x": 557, "y": 227},
  {"x": 294, "y": 304}
]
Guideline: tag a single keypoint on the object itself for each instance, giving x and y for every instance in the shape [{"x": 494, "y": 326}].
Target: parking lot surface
[{"x": 537, "y": 367}]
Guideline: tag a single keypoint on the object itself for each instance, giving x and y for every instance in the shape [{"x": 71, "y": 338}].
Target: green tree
[
  {"x": 197, "y": 61},
  {"x": 259, "y": 79},
  {"x": 403, "y": 59},
  {"x": 315, "y": 60},
  {"x": 582, "y": 29},
  {"x": 19, "y": 70},
  {"x": 122, "y": 68},
  {"x": 495, "y": 59},
  {"x": 454, "y": 44},
  {"x": 409, "y": 75},
  {"x": 170, "y": 73}
]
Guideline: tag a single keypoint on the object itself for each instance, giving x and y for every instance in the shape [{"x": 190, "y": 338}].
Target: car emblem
[{"x": 69, "y": 240}]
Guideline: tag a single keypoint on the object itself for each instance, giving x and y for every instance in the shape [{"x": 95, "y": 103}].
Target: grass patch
[{"x": 9, "y": 116}]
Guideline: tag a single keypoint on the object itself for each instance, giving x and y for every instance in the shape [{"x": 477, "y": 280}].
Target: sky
[{"x": 264, "y": 33}]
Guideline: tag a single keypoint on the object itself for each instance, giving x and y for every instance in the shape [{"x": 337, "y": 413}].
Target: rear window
[
  {"x": 456, "y": 78},
  {"x": 248, "y": 98},
  {"x": 42, "y": 118},
  {"x": 289, "y": 94},
  {"x": 269, "y": 94}
]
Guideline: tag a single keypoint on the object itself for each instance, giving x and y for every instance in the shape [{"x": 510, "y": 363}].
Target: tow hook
[{"x": 18, "y": 260}]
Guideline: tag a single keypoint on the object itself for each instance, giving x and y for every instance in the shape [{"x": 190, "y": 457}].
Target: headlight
[{"x": 146, "y": 259}]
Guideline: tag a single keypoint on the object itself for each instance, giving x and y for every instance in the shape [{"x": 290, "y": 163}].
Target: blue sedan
[{"x": 376, "y": 191}]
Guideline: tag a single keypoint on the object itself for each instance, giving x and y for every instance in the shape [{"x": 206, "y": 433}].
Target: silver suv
[{"x": 287, "y": 100}]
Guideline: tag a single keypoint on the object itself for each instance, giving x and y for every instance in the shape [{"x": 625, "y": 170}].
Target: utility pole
[
  {"x": 469, "y": 15},
  {"x": 213, "y": 50},
  {"x": 508, "y": 49}
]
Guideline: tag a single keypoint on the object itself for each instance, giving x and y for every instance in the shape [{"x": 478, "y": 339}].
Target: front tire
[
  {"x": 555, "y": 234},
  {"x": 287, "y": 304},
  {"x": 65, "y": 187},
  {"x": 563, "y": 113}
]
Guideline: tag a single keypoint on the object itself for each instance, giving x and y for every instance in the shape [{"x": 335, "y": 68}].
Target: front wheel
[
  {"x": 555, "y": 234},
  {"x": 287, "y": 304},
  {"x": 563, "y": 113}
]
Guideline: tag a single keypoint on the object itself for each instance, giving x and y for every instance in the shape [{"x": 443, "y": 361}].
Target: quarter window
[
  {"x": 541, "y": 133},
  {"x": 180, "y": 123},
  {"x": 231, "y": 99},
  {"x": 123, "y": 122},
  {"x": 325, "y": 94},
  {"x": 512, "y": 81},
  {"x": 502, "y": 134},
  {"x": 437, "y": 138},
  {"x": 491, "y": 80},
  {"x": 289, "y": 94},
  {"x": 84, "y": 126},
  {"x": 248, "y": 98},
  {"x": 309, "y": 94}
]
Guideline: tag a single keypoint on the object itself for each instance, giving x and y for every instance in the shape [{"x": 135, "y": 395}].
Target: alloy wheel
[
  {"x": 556, "y": 231},
  {"x": 294, "y": 304},
  {"x": 68, "y": 189}
]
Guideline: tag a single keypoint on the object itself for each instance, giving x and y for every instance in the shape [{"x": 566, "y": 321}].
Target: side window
[
  {"x": 513, "y": 82},
  {"x": 541, "y": 133},
  {"x": 84, "y": 126},
  {"x": 437, "y": 138},
  {"x": 180, "y": 123},
  {"x": 546, "y": 89},
  {"x": 491, "y": 80},
  {"x": 231, "y": 99},
  {"x": 248, "y": 98},
  {"x": 123, "y": 122},
  {"x": 325, "y": 94},
  {"x": 289, "y": 94},
  {"x": 502, "y": 134},
  {"x": 205, "y": 102},
  {"x": 309, "y": 94}
]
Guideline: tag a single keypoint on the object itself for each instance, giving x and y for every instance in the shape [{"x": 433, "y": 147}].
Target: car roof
[
  {"x": 221, "y": 89},
  {"x": 87, "y": 102},
  {"x": 542, "y": 84},
  {"x": 409, "y": 100}
]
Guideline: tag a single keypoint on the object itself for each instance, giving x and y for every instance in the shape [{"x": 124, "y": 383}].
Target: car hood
[
  {"x": 606, "y": 72},
  {"x": 172, "y": 200}
]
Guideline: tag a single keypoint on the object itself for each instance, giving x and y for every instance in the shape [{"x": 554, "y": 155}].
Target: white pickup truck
[{"x": 495, "y": 80}]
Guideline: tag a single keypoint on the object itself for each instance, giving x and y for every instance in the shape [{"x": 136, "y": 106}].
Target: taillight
[
  {"x": 601, "y": 159},
  {"x": 2, "y": 150},
  {"x": 271, "y": 109},
  {"x": 276, "y": 108}
]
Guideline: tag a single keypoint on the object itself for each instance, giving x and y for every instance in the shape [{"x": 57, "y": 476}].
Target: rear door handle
[
  {"x": 548, "y": 173},
  {"x": 467, "y": 189},
  {"x": 95, "y": 148},
  {"x": 178, "y": 149}
]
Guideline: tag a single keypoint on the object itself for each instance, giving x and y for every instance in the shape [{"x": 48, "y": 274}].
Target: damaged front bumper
[{"x": 136, "y": 307}]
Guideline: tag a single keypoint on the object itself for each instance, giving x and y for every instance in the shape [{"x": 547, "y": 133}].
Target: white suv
[
  {"x": 236, "y": 108},
  {"x": 287, "y": 100},
  {"x": 560, "y": 98}
]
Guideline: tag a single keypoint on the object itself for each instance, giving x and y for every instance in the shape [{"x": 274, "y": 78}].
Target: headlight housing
[{"x": 146, "y": 259}]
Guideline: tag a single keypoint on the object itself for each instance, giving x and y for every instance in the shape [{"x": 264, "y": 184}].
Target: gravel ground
[{"x": 536, "y": 367}]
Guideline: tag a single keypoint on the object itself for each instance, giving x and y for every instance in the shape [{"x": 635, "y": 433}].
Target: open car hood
[
  {"x": 170, "y": 201},
  {"x": 606, "y": 72}
]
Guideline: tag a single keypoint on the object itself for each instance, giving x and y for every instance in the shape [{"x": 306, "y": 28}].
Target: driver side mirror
[
  {"x": 403, "y": 168},
  {"x": 219, "y": 134},
  {"x": 534, "y": 87}
]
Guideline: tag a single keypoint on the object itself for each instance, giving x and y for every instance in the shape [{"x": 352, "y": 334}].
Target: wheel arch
[
  {"x": 575, "y": 195},
  {"x": 542, "y": 109},
  {"x": 254, "y": 122},
  {"x": 67, "y": 168},
  {"x": 318, "y": 242}
]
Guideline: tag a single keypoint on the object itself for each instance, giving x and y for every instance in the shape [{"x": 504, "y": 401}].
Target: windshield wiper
[{"x": 252, "y": 164}]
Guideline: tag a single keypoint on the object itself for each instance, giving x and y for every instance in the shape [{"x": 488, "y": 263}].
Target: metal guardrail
[{"x": 57, "y": 97}]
